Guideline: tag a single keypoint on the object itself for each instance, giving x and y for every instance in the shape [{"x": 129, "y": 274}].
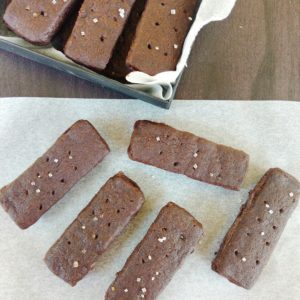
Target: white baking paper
[
  {"x": 268, "y": 131},
  {"x": 162, "y": 84}
]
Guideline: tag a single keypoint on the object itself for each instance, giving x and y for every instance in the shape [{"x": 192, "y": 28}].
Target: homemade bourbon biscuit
[{"x": 73, "y": 155}]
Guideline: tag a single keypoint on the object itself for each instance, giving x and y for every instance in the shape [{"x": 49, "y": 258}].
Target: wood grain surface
[{"x": 254, "y": 54}]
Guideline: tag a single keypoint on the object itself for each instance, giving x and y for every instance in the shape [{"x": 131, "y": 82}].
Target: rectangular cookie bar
[
  {"x": 117, "y": 67},
  {"x": 249, "y": 243},
  {"x": 95, "y": 228},
  {"x": 96, "y": 32},
  {"x": 181, "y": 152},
  {"x": 160, "y": 35},
  {"x": 173, "y": 235},
  {"x": 37, "y": 21},
  {"x": 73, "y": 155}
]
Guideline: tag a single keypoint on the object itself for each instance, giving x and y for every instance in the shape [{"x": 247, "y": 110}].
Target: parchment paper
[
  {"x": 160, "y": 85},
  {"x": 268, "y": 131}
]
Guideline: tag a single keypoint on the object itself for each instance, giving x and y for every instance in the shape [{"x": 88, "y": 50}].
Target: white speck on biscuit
[
  {"x": 244, "y": 259},
  {"x": 122, "y": 13},
  {"x": 75, "y": 264},
  {"x": 161, "y": 240}
]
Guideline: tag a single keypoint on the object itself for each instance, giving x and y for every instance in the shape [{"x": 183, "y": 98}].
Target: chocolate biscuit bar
[
  {"x": 117, "y": 67},
  {"x": 96, "y": 32},
  {"x": 37, "y": 21},
  {"x": 181, "y": 152},
  {"x": 249, "y": 243},
  {"x": 173, "y": 235},
  {"x": 73, "y": 155},
  {"x": 95, "y": 228},
  {"x": 160, "y": 35}
]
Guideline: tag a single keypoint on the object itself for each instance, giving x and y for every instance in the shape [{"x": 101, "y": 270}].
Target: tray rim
[{"x": 86, "y": 75}]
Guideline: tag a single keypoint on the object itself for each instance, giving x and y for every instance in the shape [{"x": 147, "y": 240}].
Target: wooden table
[{"x": 254, "y": 54}]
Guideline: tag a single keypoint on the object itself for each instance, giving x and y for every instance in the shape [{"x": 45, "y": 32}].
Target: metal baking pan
[{"x": 77, "y": 70}]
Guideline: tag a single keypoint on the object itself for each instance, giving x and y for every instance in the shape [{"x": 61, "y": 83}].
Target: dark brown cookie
[
  {"x": 95, "y": 228},
  {"x": 249, "y": 243},
  {"x": 181, "y": 152},
  {"x": 173, "y": 235},
  {"x": 160, "y": 35},
  {"x": 96, "y": 32},
  {"x": 117, "y": 67},
  {"x": 73, "y": 155},
  {"x": 37, "y": 21}
]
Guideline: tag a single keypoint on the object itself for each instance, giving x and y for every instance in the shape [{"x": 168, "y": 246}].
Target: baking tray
[{"x": 77, "y": 71}]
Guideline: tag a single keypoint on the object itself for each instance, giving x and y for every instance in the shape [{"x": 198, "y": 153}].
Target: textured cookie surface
[
  {"x": 96, "y": 227},
  {"x": 97, "y": 29},
  {"x": 117, "y": 67},
  {"x": 160, "y": 35},
  {"x": 250, "y": 241},
  {"x": 173, "y": 235},
  {"x": 37, "y": 21},
  {"x": 181, "y": 152},
  {"x": 72, "y": 156}
]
